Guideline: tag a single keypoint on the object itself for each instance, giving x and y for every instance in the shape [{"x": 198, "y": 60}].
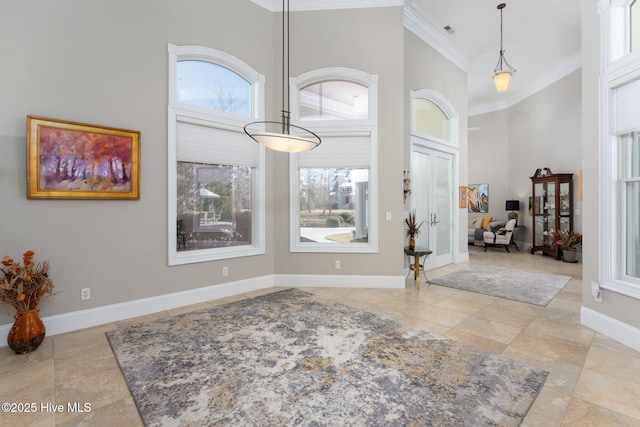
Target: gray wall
[
  {"x": 489, "y": 160},
  {"x": 543, "y": 130},
  {"x": 105, "y": 63},
  {"x": 367, "y": 40},
  {"x": 614, "y": 305}
]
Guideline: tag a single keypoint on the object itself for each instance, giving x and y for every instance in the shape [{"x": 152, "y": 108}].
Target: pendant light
[
  {"x": 282, "y": 135},
  {"x": 503, "y": 71}
]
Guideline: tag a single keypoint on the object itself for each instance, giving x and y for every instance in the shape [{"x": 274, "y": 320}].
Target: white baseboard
[
  {"x": 612, "y": 328},
  {"x": 76, "y": 320}
]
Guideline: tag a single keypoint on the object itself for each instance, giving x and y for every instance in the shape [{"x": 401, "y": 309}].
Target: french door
[{"x": 432, "y": 195}]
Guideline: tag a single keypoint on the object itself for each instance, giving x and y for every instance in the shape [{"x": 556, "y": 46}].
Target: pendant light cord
[{"x": 285, "y": 68}]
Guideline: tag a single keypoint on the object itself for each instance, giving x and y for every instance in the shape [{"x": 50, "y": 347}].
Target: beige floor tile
[
  {"x": 517, "y": 319},
  {"x": 476, "y": 341},
  {"x": 619, "y": 365},
  {"x": 562, "y": 376},
  {"x": 462, "y": 304},
  {"x": 489, "y": 329},
  {"x": 609, "y": 392},
  {"x": 585, "y": 414},
  {"x": 552, "y": 347},
  {"x": 441, "y": 316},
  {"x": 548, "y": 410},
  {"x": 570, "y": 332}
]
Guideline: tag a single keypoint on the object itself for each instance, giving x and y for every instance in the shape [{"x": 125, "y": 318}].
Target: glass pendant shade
[
  {"x": 301, "y": 140},
  {"x": 501, "y": 79},
  {"x": 503, "y": 71}
]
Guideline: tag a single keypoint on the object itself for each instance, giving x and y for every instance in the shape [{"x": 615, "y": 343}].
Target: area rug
[
  {"x": 290, "y": 358},
  {"x": 517, "y": 285}
]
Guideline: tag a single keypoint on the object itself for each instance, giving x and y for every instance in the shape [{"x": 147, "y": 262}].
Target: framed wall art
[
  {"x": 478, "y": 195},
  {"x": 463, "y": 197},
  {"x": 67, "y": 160}
]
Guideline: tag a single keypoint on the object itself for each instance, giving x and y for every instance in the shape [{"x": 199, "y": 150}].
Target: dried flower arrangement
[
  {"x": 413, "y": 228},
  {"x": 24, "y": 286}
]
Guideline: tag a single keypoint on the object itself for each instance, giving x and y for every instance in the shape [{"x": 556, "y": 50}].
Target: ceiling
[{"x": 541, "y": 39}]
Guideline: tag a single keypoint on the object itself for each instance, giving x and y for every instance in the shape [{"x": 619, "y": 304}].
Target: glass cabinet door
[{"x": 565, "y": 207}]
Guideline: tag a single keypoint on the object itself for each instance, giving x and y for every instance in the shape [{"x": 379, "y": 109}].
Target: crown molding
[
  {"x": 423, "y": 26},
  {"x": 554, "y": 74},
  {"x": 302, "y": 5}
]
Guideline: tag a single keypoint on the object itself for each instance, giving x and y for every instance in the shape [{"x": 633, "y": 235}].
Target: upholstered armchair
[{"x": 500, "y": 237}]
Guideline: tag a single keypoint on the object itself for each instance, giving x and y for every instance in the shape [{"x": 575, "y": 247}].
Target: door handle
[{"x": 434, "y": 219}]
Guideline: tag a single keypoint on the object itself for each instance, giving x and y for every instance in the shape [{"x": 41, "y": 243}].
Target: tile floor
[{"x": 593, "y": 381}]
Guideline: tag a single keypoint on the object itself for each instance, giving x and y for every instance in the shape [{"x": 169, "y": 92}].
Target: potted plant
[
  {"x": 413, "y": 229},
  {"x": 23, "y": 287},
  {"x": 569, "y": 242}
]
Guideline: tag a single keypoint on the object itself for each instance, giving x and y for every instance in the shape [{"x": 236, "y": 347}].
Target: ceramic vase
[
  {"x": 412, "y": 241},
  {"x": 27, "y": 332}
]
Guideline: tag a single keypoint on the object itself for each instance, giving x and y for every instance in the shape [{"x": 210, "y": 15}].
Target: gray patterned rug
[
  {"x": 517, "y": 285},
  {"x": 290, "y": 358}
]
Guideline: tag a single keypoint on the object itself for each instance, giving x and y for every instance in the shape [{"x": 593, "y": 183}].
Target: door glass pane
[
  {"x": 429, "y": 119},
  {"x": 209, "y": 85},
  {"x": 443, "y": 206},
  {"x": 334, "y": 205},
  {"x": 334, "y": 100},
  {"x": 421, "y": 195}
]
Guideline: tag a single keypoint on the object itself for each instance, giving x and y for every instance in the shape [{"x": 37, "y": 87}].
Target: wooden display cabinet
[{"x": 551, "y": 209}]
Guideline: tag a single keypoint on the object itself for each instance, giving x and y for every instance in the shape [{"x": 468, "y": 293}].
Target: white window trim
[
  {"x": 441, "y": 102},
  {"x": 224, "y": 120},
  {"x": 328, "y": 127},
  {"x": 619, "y": 68}
]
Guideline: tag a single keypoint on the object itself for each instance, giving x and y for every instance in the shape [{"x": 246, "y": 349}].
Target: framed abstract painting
[{"x": 478, "y": 196}]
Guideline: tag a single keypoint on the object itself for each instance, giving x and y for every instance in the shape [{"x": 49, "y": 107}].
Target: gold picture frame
[
  {"x": 68, "y": 160},
  {"x": 463, "y": 196}
]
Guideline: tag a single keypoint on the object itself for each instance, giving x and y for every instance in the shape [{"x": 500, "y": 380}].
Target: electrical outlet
[
  {"x": 389, "y": 216},
  {"x": 338, "y": 264},
  {"x": 225, "y": 271},
  {"x": 596, "y": 292},
  {"x": 85, "y": 294}
]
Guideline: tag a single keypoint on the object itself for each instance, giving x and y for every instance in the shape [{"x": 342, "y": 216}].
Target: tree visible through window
[{"x": 333, "y": 203}]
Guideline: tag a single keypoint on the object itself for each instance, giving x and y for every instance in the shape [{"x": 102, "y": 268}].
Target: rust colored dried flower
[{"x": 23, "y": 287}]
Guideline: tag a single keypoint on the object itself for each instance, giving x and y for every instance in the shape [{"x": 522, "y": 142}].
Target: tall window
[
  {"x": 630, "y": 183},
  {"x": 620, "y": 150},
  {"x": 216, "y": 173},
  {"x": 334, "y": 187}
]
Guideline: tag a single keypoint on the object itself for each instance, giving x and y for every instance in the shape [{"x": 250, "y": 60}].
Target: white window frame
[
  {"x": 184, "y": 112},
  {"x": 619, "y": 67},
  {"x": 354, "y": 128},
  {"x": 449, "y": 112}
]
